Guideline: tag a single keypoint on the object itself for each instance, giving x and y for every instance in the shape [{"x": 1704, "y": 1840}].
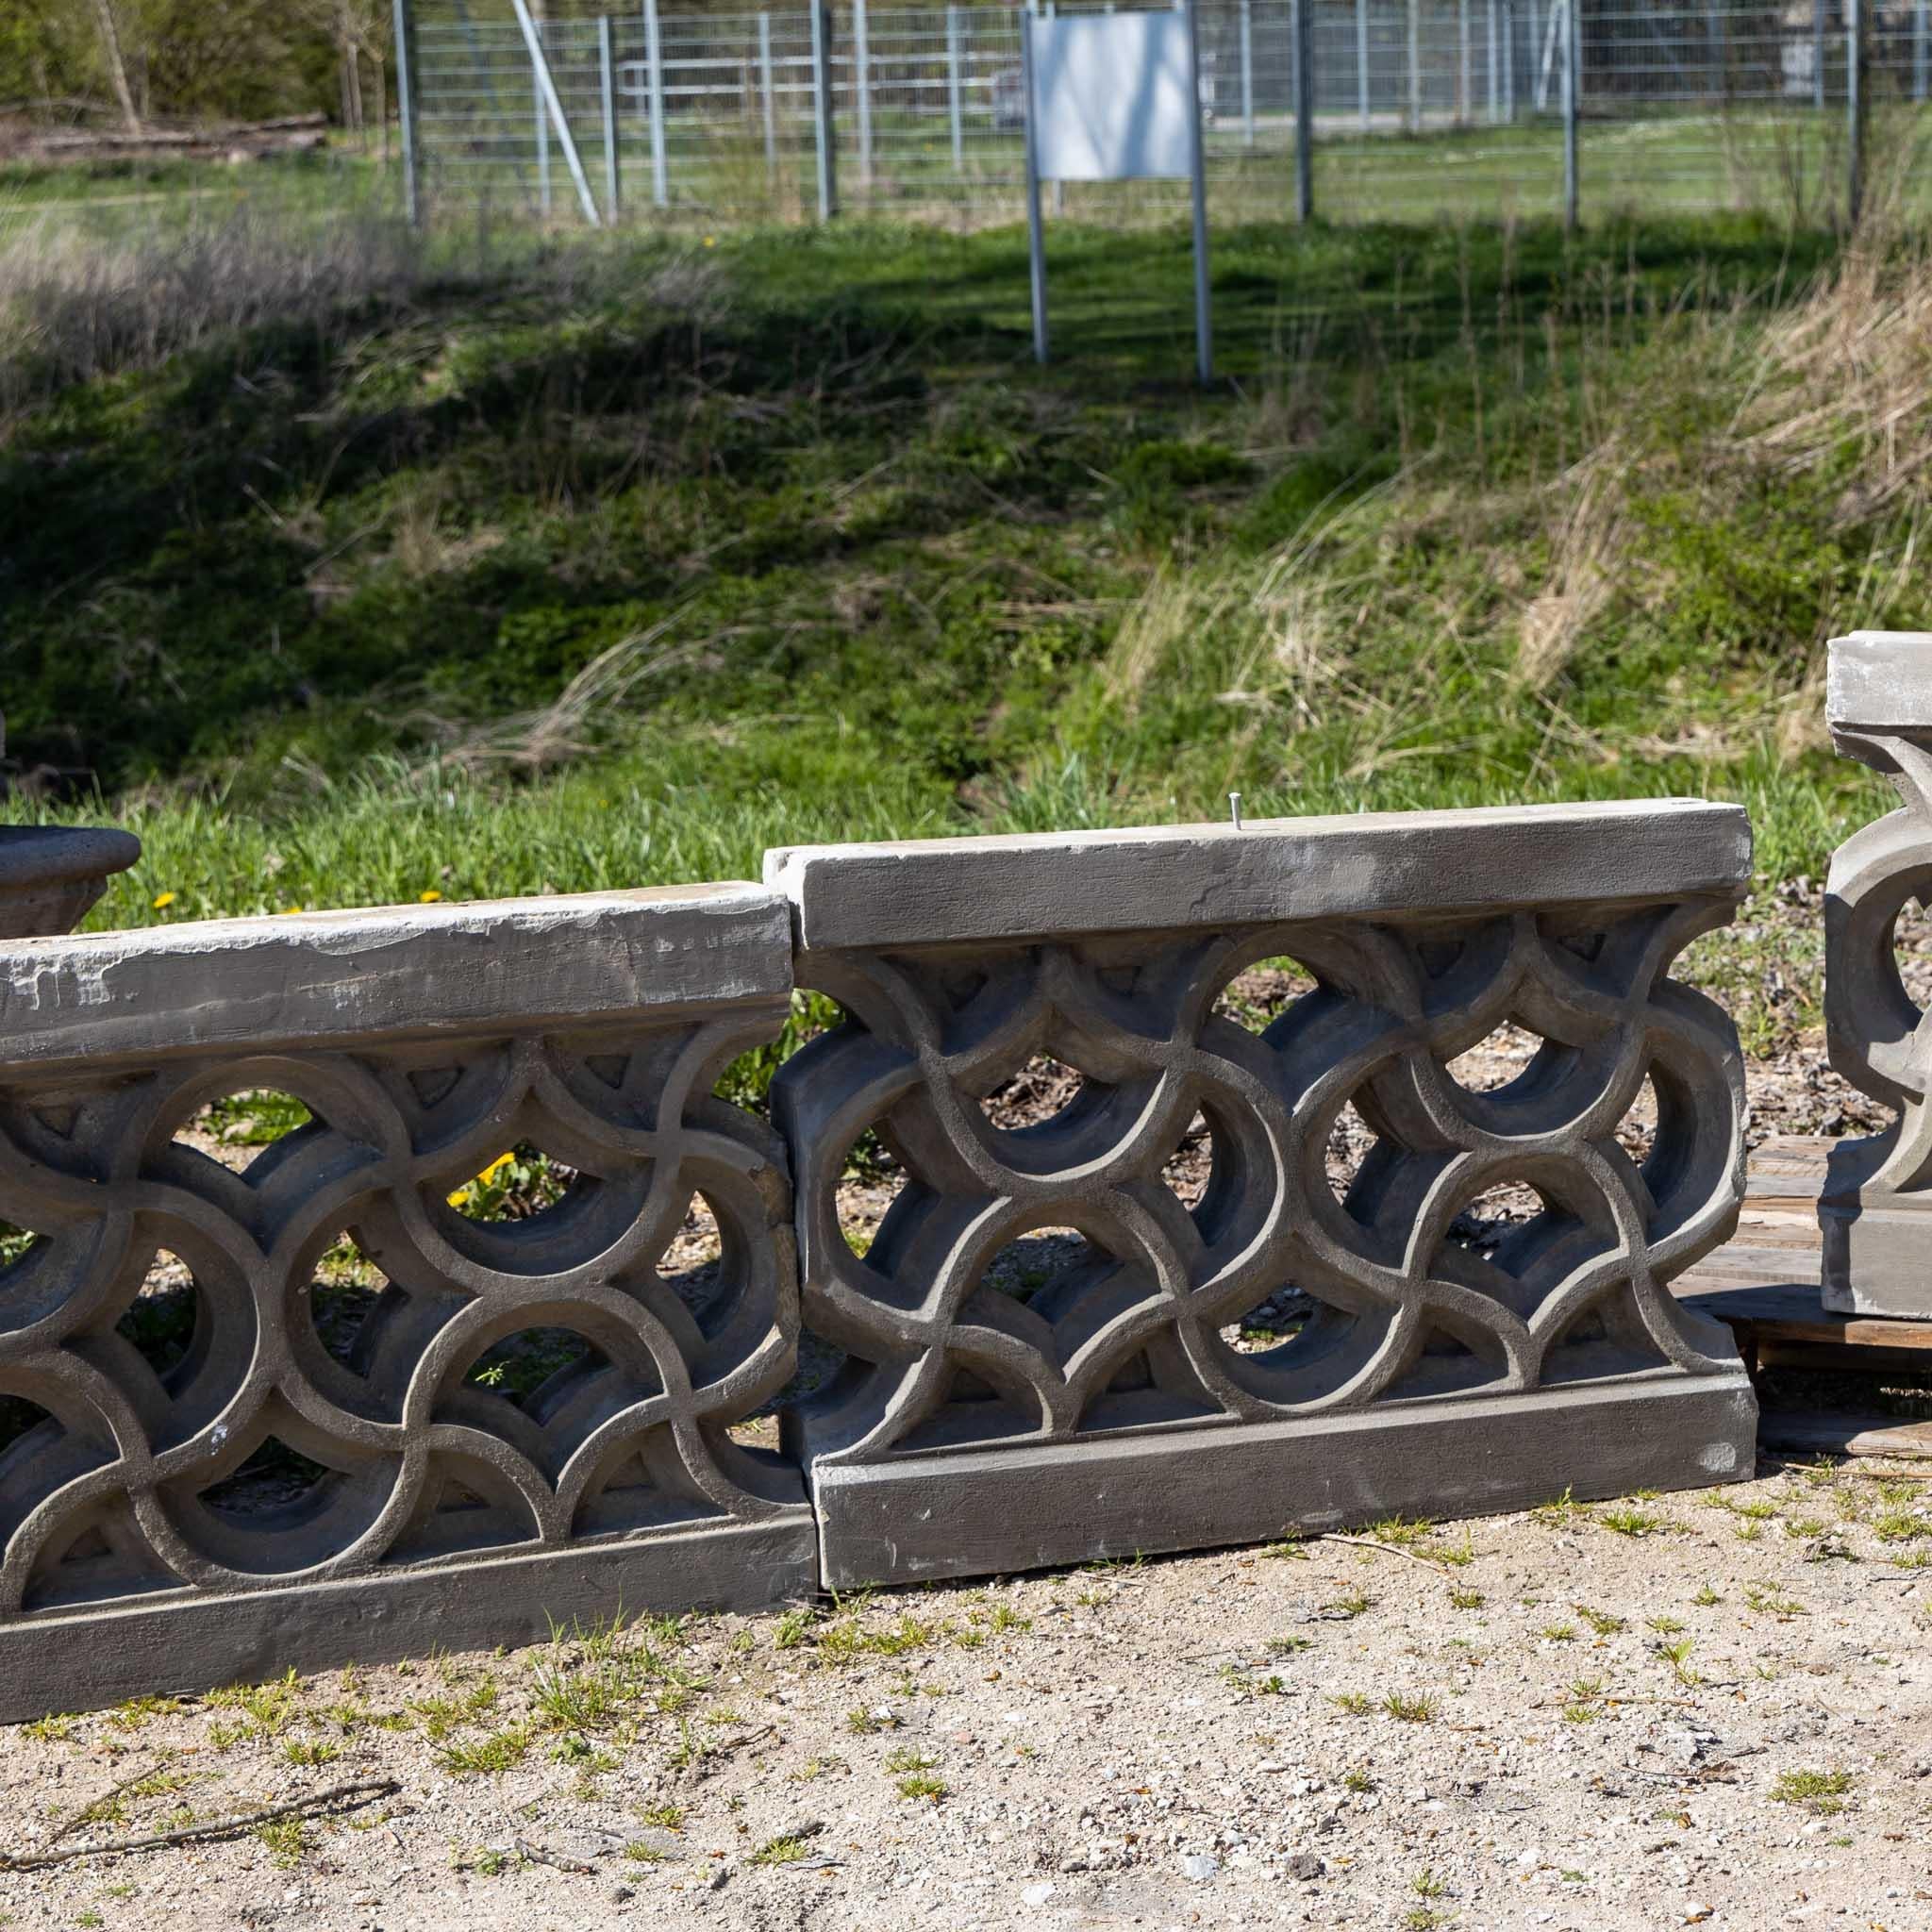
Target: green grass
[
  {"x": 1822, "y": 1792},
  {"x": 580, "y": 563}
]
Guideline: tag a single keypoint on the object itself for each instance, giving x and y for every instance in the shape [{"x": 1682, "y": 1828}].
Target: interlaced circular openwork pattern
[
  {"x": 1126, "y": 1333},
  {"x": 1880, "y": 1040},
  {"x": 116, "y": 1487}
]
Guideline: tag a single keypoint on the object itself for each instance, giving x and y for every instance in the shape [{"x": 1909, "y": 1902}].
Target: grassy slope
[{"x": 808, "y": 549}]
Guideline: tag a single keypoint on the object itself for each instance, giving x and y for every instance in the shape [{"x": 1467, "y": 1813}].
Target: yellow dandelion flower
[
  {"x": 430, "y": 897},
  {"x": 163, "y": 900},
  {"x": 483, "y": 1179},
  {"x": 286, "y": 911},
  {"x": 710, "y": 240}
]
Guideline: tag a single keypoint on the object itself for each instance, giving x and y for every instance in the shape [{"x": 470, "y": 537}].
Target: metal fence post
[
  {"x": 1197, "y": 154},
  {"x": 1855, "y": 110},
  {"x": 1304, "y": 110},
  {"x": 821, "y": 107},
  {"x": 1415, "y": 66},
  {"x": 1463, "y": 64},
  {"x": 1361, "y": 60},
  {"x": 1494, "y": 73},
  {"x": 542, "y": 125},
  {"x": 862, "y": 81},
  {"x": 654, "y": 86},
  {"x": 606, "y": 91},
  {"x": 406, "y": 111},
  {"x": 551, "y": 102},
  {"x": 1036, "y": 239},
  {"x": 1818, "y": 55},
  {"x": 765, "y": 88},
  {"x": 1509, "y": 58},
  {"x": 1573, "y": 87},
  {"x": 955, "y": 105},
  {"x": 1922, "y": 50},
  {"x": 1247, "y": 39}
]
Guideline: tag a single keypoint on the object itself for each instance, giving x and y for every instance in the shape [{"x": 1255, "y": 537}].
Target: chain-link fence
[{"x": 1421, "y": 108}]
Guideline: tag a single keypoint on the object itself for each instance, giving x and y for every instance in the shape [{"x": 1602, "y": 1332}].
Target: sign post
[
  {"x": 1115, "y": 97},
  {"x": 1197, "y": 158},
  {"x": 1035, "y": 236}
]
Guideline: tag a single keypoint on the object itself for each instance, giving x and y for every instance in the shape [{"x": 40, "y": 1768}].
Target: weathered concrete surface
[
  {"x": 1875, "y": 1213},
  {"x": 1097, "y": 1410},
  {"x": 925, "y": 890},
  {"x": 1122, "y": 1341},
  {"x": 1879, "y": 681},
  {"x": 1028, "y": 1508},
  {"x": 49, "y": 874},
  {"x": 305, "y": 978},
  {"x": 90, "y": 1659},
  {"x": 424, "y": 1043}
]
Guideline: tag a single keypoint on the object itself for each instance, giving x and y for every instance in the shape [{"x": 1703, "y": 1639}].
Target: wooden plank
[
  {"x": 1783, "y": 1271},
  {"x": 1795, "y": 1232},
  {"x": 1790, "y": 1312},
  {"x": 1835, "y": 1357},
  {"x": 1784, "y": 1315},
  {"x": 1832, "y": 1432},
  {"x": 1790, "y": 1165}
]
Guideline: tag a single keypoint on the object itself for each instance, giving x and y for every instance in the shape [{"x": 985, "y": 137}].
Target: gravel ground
[{"x": 1706, "y": 1708}]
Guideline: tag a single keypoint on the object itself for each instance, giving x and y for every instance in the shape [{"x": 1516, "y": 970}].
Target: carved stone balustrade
[
  {"x": 1040, "y": 1364},
  {"x": 281, "y": 1383},
  {"x": 1875, "y": 1213},
  {"x": 259, "y": 1413}
]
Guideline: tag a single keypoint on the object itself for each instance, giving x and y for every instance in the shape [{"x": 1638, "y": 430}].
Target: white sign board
[
  {"x": 1110, "y": 97},
  {"x": 1114, "y": 97}
]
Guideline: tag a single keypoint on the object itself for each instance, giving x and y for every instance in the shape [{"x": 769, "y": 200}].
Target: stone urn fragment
[{"x": 49, "y": 874}]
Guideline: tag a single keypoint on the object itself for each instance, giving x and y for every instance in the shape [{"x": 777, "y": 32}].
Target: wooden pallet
[{"x": 1763, "y": 1285}]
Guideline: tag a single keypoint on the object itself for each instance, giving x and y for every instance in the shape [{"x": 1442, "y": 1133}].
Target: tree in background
[
  {"x": 136, "y": 60},
  {"x": 360, "y": 31}
]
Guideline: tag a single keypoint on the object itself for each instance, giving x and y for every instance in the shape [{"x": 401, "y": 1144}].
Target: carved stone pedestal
[{"x": 1875, "y": 1213}]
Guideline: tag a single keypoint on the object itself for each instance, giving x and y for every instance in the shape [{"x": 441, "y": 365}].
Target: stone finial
[
  {"x": 49, "y": 874},
  {"x": 1877, "y": 1209}
]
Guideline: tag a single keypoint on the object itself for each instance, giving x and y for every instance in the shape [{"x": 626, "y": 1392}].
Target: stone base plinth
[
  {"x": 1877, "y": 1256},
  {"x": 85, "y": 1658},
  {"x": 972, "y": 1513}
]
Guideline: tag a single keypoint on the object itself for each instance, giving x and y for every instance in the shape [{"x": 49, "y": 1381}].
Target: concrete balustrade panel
[
  {"x": 1876, "y": 1211},
  {"x": 303, "y": 1405},
  {"x": 1051, "y": 1343}
]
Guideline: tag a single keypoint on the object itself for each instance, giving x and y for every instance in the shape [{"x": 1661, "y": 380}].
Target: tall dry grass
[
  {"x": 1847, "y": 380},
  {"x": 76, "y": 302}
]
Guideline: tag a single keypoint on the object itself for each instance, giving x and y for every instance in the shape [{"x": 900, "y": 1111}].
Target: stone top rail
[
  {"x": 1879, "y": 681},
  {"x": 1360, "y": 865},
  {"x": 307, "y": 978}
]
